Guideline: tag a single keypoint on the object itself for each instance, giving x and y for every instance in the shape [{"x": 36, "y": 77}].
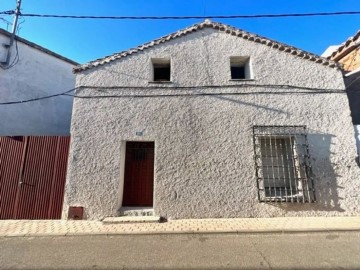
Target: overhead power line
[
  {"x": 305, "y": 90},
  {"x": 11, "y": 12},
  {"x": 7, "y": 12},
  {"x": 37, "y": 99}
]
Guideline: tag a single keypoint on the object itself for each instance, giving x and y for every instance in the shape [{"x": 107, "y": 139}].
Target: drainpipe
[{"x": 13, "y": 33}]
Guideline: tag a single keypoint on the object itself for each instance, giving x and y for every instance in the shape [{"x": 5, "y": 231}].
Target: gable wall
[
  {"x": 204, "y": 160},
  {"x": 202, "y": 58}
]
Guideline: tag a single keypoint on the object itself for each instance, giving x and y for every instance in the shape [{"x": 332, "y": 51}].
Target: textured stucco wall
[
  {"x": 36, "y": 74},
  {"x": 357, "y": 139},
  {"x": 204, "y": 160}
]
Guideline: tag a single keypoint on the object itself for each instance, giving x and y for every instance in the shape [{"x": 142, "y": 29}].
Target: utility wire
[
  {"x": 8, "y": 12},
  {"x": 17, "y": 57},
  {"x": 37, "y": 99},
  {"x": 307, "y": 90},
  {"x": 200, "y": 94},
  {"x": 204, "y": 87},
  {"x": 11, "y": 12}
]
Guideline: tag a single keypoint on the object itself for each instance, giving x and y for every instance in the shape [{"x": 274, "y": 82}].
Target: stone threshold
[
  {"x": 136, "y": 211},
  {"x": 131, "y": 219}
]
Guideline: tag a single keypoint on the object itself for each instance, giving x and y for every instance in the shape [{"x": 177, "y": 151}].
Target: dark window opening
[
  {"x": 162, "y": 72},
  {"x": 240, "y": 67},
  {"x": 237, "y": 72}
]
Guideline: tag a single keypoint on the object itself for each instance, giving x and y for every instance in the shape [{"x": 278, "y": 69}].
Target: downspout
[{"x": 12, "y": 37}]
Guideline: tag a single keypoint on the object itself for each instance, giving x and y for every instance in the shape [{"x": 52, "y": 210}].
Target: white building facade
[
  {"x": 210, "y": 122},
  {"x": 34, "y": 72}
]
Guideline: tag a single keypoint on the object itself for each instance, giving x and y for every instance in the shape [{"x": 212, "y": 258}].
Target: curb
[{"x": 245, "y": 231}]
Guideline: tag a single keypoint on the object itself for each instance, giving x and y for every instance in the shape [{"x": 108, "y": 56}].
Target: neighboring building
[
  {"x": 348, "y": 55},
  {"x": 34, "y": 72},
  {"x": 212, "y": 121},
  {"x": 329, "y": 50}
]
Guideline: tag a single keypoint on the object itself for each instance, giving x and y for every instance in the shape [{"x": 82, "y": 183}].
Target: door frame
[{"x": 122, "y": 172}]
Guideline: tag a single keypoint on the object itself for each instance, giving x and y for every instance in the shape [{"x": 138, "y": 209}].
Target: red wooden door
[{"x": 139, "y": 174}]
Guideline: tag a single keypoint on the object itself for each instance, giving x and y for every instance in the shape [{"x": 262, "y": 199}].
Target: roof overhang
[
  {"x": 38, "y": 47},
  {"x": 221, "y": 28}
]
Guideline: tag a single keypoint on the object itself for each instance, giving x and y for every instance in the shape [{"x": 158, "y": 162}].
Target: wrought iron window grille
[{"x": 282, "y": 164}]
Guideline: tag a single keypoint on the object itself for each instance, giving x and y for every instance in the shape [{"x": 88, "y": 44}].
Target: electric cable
[
  {"x": 309, "y": 90},
  {"x": 37, "y": 99},
  {"x": 11, "y": 12},
  {"x": 7, "y": 12}
]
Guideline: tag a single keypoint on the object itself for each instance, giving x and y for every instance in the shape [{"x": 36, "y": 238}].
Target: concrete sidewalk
[{"x": 23, "y": 228}]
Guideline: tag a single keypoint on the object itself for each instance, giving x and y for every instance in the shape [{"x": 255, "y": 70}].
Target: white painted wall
[
  {"x": 357, "y": 139},
  {"x": 204, "y": 159},
  {"x": 36, "y": 74}
]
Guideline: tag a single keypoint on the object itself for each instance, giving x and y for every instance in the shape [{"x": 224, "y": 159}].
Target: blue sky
[{"x": 86, "y": 40}]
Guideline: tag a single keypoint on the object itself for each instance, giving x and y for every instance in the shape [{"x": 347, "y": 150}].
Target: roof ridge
[{"x": 207, "y": 23}]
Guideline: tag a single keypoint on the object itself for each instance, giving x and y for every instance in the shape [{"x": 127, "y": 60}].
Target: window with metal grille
[{"x": 282, "y": 164}]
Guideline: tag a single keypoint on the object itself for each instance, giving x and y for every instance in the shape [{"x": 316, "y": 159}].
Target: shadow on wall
[
  {"x": 324, "y": 177},
  {"x": 353, "y": 93},
  {"x": 352, "y": 83}
]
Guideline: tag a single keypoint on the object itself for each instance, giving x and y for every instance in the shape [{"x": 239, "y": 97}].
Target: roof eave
[
  {"x": 40, "y": 48},
  {"x": 217, "y": 26}
]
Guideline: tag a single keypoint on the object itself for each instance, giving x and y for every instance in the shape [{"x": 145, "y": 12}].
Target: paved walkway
[{"x": 237, "y": 225}]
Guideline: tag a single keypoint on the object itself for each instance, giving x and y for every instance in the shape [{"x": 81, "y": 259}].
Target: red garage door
[{"x": 32, "y": 176}]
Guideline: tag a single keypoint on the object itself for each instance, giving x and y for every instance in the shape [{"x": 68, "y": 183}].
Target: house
[
  {"x": 34, "y": 136},
  {"x": 348, "y": 55},
  {"x": 212, "y": 121},
  {"x": 33, "y": 72}
]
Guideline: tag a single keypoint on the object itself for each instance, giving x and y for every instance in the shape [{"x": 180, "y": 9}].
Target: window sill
[
  {"x": 241, "y": 80},
  {"x": 286, "y": 199},
  {"x": 160, "y": 82}
]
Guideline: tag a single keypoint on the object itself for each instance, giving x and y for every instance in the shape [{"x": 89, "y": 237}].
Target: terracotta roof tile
[
  {"x": 222, "y": 28},
  {"x": 349, "y": 42}
]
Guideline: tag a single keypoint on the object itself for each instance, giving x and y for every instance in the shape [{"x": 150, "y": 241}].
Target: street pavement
[
  {"x": 315, "y": 250},
  {"x": 21, "y": 228}
]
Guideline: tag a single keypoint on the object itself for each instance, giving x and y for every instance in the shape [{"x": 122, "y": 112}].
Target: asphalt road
[{"x": 184, "y": 251}]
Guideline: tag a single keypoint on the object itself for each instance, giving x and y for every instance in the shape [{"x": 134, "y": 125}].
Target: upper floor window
[
  {"x": 161, "y": 69},
  {"x": 240, "y": 67}
]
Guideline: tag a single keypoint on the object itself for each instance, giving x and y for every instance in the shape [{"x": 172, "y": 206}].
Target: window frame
[
  {"x": 296, "y": 171},
  {"x": 241, "y": 61},
  {"x": 160, "y": 63}
]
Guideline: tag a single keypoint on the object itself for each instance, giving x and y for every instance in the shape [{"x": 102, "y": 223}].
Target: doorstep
[
  {"x": 136, "y": 211},
  {"x": 131, "y": 219}
]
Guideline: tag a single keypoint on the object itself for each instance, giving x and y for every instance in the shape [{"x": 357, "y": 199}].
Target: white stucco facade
[
  {"x": 36, "y": 74},
  {"x": 204, "y": 152},
  {"x": 357, "y": 139}
]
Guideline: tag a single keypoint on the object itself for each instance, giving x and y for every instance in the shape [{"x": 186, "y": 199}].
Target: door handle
[{"x": 23, "y": 183}]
